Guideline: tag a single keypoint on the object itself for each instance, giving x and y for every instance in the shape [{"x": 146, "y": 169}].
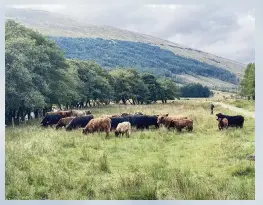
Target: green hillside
[{"x": 142, "y": 56}]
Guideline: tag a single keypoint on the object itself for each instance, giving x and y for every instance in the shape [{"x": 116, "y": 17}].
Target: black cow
[
  {"x": 143, "y": 121},
  {"x": 138, "y": 121},
  {"x": 116, "y": 120},
  {"x": 233, "y": 121},
  {"x": 50, "y": 120},
  {"x": 79, "y": 122}
]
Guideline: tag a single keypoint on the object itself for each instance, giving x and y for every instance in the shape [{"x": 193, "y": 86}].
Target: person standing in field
[{"x": 212, "y": 108}]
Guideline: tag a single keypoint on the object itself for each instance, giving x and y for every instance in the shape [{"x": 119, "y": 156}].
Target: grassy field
[{"x": 155, "y": 164}]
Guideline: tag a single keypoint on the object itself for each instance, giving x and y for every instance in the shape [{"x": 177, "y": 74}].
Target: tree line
[{"x": 39, "y": 76}]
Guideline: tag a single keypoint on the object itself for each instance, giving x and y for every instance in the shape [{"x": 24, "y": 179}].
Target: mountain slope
[
  {"x": 52, "y": 24},
  {"x": 142, "y": 56}
]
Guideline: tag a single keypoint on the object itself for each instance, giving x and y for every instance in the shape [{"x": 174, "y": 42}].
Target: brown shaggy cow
[
  {"x": 65, "y": 113},
  {"x": 167, "y": 121},
  {"x": 222, "y": 123},
  {"x": 183, "y": 123},
  {"x": 98, "y": 124},
  {"x": 60, "y": 112},
  {"x": 63, "y": 122},
  {"x": 78, "y": 113}
]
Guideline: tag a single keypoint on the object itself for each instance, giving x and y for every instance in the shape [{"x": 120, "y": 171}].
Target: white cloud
[
  {"x": 46, "y": 7},
  {"x": 225, "y": 31}
]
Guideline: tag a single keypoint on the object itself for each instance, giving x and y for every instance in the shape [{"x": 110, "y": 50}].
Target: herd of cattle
[{"x": 122, "y": 123}]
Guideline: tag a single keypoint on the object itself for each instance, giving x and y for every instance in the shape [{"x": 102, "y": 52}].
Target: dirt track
[{"x": 236, "y": 109}]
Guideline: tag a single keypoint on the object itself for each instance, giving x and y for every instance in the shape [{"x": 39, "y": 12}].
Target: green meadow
[{"x": 151, "y": 164}]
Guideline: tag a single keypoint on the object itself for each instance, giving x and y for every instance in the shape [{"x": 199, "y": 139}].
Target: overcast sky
[{"x": 225, "y": 31}]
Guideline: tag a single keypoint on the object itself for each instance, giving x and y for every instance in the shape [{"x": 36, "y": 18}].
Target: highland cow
[
  {"x": 183, "y": 123},
  {"x": 63, "y": 122},
  {"x": 97, "y": 125},
  {"x": 222, "y": 123},
  {"x": 167, "y": 120},
  {"x": 123, "y": 128}
]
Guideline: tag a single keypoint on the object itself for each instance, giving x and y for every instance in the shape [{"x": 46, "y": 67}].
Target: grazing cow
[
  {"x": 167, "y": 120},
  {"x": 222, "y": 123},
  {"x": 116, "y": 120},
  {"x": 78, "y": 113},
  {"x": 63, "y": 122},
  {"x": 79, "y": 122},
  {"x": 123, "y": 128},
  {"x": 60, "y": 112},
  {"x": 182, "y": 123},
  {"x": 98, "y": 124},
  {"x": 50, "y": 120},
  {"x": 88, "y": 112},
  {"x": 233, "y": 121},
  {"x": 64, "y": 113},
  {"x": 143, "y": 121},
  {"x": 138, "y": 121}
]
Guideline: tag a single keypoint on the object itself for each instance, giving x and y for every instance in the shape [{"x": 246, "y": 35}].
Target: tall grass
[{"x": 153, "y": 164}]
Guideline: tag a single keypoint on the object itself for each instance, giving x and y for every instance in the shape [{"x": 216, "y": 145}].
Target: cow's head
[
  {"x": 88, "y": 112},
  {"x": 117, "y": 133},
  {"x": 84, "y": 131},
  {"x": 219, "y": 115},
  {"x": 160, "y": 118},
  {"x": 68, "y": 127}
]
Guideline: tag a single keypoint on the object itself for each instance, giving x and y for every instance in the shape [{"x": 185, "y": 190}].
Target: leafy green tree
[
  {"x": 153, "y": 87},
  {"x": 169, "y": 90},
  {"x": 122, "y": 84},
  {"x": 129, "y": 86},
  {"x": 139, "y": 91},
  {"x": 195, "y": 90},
  {"x": 93, "y": 82},
  {"x": 248, "y": 82},
  {"x": 36, "y": 71}
]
